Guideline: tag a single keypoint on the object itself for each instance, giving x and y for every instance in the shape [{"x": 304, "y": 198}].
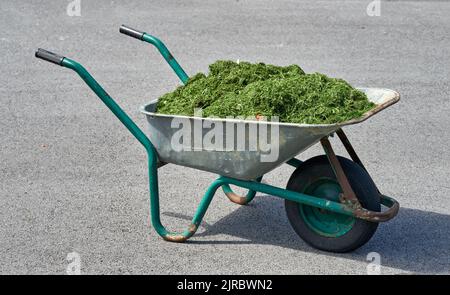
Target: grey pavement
[{"x": 72, "y": 179}]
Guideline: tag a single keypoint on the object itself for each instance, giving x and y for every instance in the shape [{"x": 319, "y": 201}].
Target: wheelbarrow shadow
[{"x": 415, "y": 241}]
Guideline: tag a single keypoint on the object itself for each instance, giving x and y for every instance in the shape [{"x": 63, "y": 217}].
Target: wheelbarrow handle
[
  {"x": 103, "y": 95},
  {"x": 131, "y": 32},
  {"x": 49, "y": 56},
  {"x": 161, "y": 48}
]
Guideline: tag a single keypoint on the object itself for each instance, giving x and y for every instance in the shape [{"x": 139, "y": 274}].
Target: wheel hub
[{"x": 322, "y": 221}]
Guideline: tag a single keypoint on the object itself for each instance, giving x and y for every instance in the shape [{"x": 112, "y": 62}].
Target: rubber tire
[{"x": 364, "y": 188}]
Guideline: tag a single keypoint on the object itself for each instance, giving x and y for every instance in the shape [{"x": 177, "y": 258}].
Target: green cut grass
[{"x": 246, "y": 89}]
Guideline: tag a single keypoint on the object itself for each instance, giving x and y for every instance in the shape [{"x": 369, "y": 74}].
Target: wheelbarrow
[{"x": 331, "y": 202}]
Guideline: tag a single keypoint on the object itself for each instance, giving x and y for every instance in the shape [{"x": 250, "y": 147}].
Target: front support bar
[{"x": 348, "y": 197}]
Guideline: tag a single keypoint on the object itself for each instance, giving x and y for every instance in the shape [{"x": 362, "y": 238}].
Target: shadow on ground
[{"x": 415, "y": 241}]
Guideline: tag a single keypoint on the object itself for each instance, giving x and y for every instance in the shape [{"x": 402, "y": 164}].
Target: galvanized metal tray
[{"x": 247, "y": 164}]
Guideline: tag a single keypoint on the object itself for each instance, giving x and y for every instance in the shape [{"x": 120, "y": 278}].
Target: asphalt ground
[{"x": 72, "y": 179}]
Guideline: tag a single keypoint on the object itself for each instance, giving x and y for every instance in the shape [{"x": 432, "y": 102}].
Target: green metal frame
[{"x": 221, "y": 181}]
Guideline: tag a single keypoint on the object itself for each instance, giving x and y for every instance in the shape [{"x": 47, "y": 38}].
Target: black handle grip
[
  {"x": 131, "y": 32},
  {"x": 49, "y": 56}
]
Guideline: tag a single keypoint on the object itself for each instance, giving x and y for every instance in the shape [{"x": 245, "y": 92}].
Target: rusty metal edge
[
  {"x": 384, "y": 216},
  {"x": 181, "y": 238},
  {"x": 237, "y": 199},
  {"x": 348, "y": 197}
]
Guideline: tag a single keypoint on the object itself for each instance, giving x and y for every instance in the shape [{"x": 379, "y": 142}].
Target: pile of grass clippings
[{"x": 245, "y": 89}]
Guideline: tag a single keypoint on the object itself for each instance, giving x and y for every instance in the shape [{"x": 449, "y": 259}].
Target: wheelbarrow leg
[
  {"x": 244, "y": 200},
  {"x": 155, "y": 211},
  {"x": 143, "y": 139},
  {"x": 238, "y": 199}
]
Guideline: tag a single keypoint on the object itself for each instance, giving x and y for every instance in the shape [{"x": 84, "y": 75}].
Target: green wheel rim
[{"x": 323, "y": 222}]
